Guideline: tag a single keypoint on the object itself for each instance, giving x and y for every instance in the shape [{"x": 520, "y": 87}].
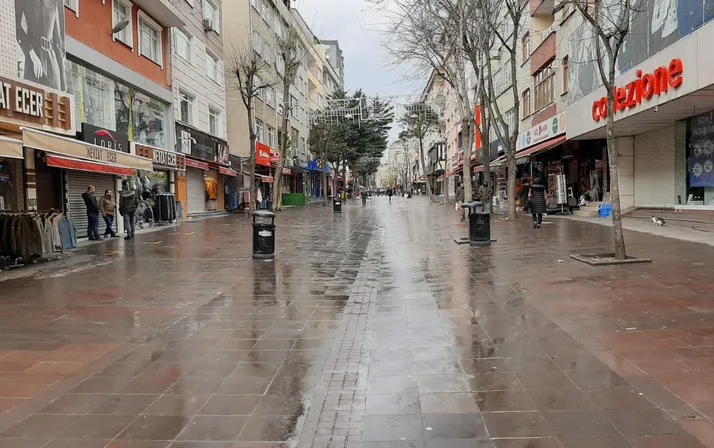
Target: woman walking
[{"x": 538, "y": 197}]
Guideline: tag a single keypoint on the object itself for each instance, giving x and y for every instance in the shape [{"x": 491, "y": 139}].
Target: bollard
[{"x": 263, "y": 235}]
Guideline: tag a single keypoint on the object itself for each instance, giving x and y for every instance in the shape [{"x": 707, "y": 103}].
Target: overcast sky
[{"x": 354, "y": 24}]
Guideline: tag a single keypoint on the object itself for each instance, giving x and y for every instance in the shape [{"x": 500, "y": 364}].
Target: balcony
[
  {"x": 542, "y": 7},
  {"x": 544, "y": 53},
  {"x": 165, "y": 12}
]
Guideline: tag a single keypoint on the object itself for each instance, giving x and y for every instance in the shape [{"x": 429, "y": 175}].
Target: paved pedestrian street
[{"x": 371, "y": 329}]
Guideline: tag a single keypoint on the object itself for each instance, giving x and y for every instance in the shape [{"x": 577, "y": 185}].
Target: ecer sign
[{"x": 643, "y": 88}]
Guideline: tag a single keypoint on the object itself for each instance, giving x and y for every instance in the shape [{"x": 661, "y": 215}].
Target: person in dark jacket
[
  {"x": 128, "y": 203},
  {"x": 107, "y": 207},
  {"x": 92, "y": 213},
  {"x": 460, "y": 199},
  {"x": 537, "y": 191}
]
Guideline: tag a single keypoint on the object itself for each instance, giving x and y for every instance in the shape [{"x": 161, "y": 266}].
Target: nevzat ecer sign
[{"x": 643, "y": 88}]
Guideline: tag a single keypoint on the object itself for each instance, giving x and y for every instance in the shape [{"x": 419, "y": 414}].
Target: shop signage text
[
  {"x": 643, "y": 88},
  {"x": 165, "y": 158},
  {"x": 105, "y": 138},
  {"x": 161, "y": 157},
  {"x": 101, "y": 155},
  {"x": 541, "y": 132},
  {"x": 202, "y": 146},
  {"x": 29, "y": 104}
]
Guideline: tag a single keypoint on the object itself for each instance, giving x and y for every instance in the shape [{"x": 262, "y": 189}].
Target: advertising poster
[{"x": 40, "y": 34}]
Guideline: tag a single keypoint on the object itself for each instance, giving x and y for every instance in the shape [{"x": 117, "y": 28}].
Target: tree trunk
[
  {"x": 323, "y": 180},
  {"x": 619, "y": 236},
  {"x": 423, "y": 170},
  {"x": 466, "y": 140},
  {"x": 511, "y": 186},
  {"x": 251, "y": 171},
  {"x": 278, "y": 178},
  {"x": 344, "y": 178}
]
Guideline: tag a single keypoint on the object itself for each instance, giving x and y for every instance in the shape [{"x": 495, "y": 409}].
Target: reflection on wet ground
[{"x": 371, "y": 329}]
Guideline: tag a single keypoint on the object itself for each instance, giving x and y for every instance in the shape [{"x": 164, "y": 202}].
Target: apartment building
[
  {"x": 106, "y": 77},
  {"x": 199, "y": 91},
  {"x": 336, "y": 59}
]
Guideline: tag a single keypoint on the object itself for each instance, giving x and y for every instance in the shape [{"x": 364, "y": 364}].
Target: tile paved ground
[{"x": 372, "y": 329}]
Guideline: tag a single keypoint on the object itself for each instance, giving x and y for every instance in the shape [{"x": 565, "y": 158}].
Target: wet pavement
[{"x": 372, "y": 330}]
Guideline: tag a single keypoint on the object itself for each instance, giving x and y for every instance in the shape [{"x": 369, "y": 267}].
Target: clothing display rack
[
  {"x": 165, "y": 208},
  {"x": 28, "y": 237}
]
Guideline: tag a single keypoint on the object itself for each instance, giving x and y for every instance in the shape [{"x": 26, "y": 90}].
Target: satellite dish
[{"x": 120, "y": 26}]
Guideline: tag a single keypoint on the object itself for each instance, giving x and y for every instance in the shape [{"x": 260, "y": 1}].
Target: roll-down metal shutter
[
  {"x": 654, "y": 168},
  {"x": 77, "y": 183},
  {"x": 195, "y": 187}
]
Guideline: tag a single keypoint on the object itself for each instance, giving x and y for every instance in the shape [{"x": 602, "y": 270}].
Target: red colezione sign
[
  {"x": 196, "y": 164},
  {"x": 262, "y": 154},
  {"x": 81, "y": 165},
  {"x": 644, "y": 87}
]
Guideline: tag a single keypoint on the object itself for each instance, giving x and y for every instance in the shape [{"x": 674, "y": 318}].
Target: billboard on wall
[
  {"x": 39, "y": 30},
  {"x": 657, "y": 25}
]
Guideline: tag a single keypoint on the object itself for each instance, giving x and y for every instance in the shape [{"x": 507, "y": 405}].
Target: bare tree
[
  {"x": 610, "y": 22},
  {"x": 250, "y": 75},
  {"x": 290, "y": 55},
  {"x": 418, "y": 122},
  {"x": 430, "y": 34}
]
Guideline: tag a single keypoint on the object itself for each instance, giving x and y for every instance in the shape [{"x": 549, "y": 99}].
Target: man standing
[
  {"x": 460, "y": 199},
  {"x": 128, "y": 204},
  {"x": 92, "y": 213},
  {"x": 107, "y": 207}
]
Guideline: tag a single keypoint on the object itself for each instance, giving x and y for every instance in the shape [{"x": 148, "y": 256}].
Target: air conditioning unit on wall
[{"x": 208, "y": 24}]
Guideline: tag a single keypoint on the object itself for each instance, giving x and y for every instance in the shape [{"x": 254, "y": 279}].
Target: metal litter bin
[
  {"x": 263, "y": 235},
  {"x": 337, "y": 204},
  {"x": 479, "y": 224}
]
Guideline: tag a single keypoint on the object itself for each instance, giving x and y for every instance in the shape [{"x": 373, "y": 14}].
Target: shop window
[
  {"x": 211, "y": 12},
  {"x": 271, "y": 137},
  {"x": 9, "y": 183},
  {"x": 526, "y": 46},
  {"x": 544, "y": 87},
  {"x": 121, "y": 10},
  {"x": 107, "y": 103},
  {"x": 214, "y": 121},
  {"x": 150, "y": 39},
  {"x": 700, "y": 160},
  {"x": 526, "y": 100},
  {"x": 565, "y": 74},
  {"x": 259, "y": 130},
  {"x": 212, "y": 67},
  {"x": 183, "y": 43},
  {"x": 186, "y": 107}
]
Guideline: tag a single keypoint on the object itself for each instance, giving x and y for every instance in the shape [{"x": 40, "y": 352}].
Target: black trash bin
[
  {"x": 337, "y": 204},
  {"x": 479, "y": 224},
  {"x": 263, "y": 235}
]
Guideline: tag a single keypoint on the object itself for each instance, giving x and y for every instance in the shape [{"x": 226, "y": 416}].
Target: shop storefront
[
  {"x": 11, "y": 185},
  {"x": 162, "y": 185},
  {"x": 265, "y": 158},
  {"x": 78, "y": 165},
  {"x": 207, "y": 161}
]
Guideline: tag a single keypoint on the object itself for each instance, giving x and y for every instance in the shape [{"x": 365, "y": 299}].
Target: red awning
[
  {"x": 478, "y": 169},
  {"x": 196, "y": 164},
  {"x": 266, "y": 179},
  {"x": 228, "y": 171},
  {"x": 83, "y": 165},
  {"x": 541, "y": 147}
]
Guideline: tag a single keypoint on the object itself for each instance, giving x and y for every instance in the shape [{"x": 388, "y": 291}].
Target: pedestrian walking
[
  {"x": 107, "y": 207},
  {"x": 128, "y": 203},
  {"x": 538, "y": 200},
  {"x": 525, "y": 190},
  {"x": 90, "y": 201},
  {"x": 390, "y": 193},
  {"x": 460, "y": 199}
]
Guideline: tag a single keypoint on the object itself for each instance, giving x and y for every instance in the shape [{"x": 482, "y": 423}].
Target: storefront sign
[
  {"x": 541, "y": 132},
  {"x": 201, "y": 146},
  {"x": 262, "y": 154},
  {"x": 196, "y": 164},
  {"x": 160, "y": 157},
  {"x": 25, "y": 104},
  {"x": 228, "y": 172},
  {"x": 105, "y": 138},
  {"x": 82, "y": 165},
  {"x": 643, "y": 88},
  {"x": 75, "y": 148}
]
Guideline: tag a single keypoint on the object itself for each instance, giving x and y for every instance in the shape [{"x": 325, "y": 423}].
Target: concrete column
[
  {"x": 626, "y": 170},
  {"x": 30, "y": 183}
]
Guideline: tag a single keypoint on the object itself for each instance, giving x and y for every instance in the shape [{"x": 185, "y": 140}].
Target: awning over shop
[
  {"x": 228, "y": 171},
  {"x": 74, "y": 149},
  {"x": 265, "y": 179},
  {"x": 72, "y": 163},
  {"x": 196, "y": 164},
  {"x": 541, "y": 147},
  {"x": 478, "y": 169},
  {"x": 9, "y": 147}
]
